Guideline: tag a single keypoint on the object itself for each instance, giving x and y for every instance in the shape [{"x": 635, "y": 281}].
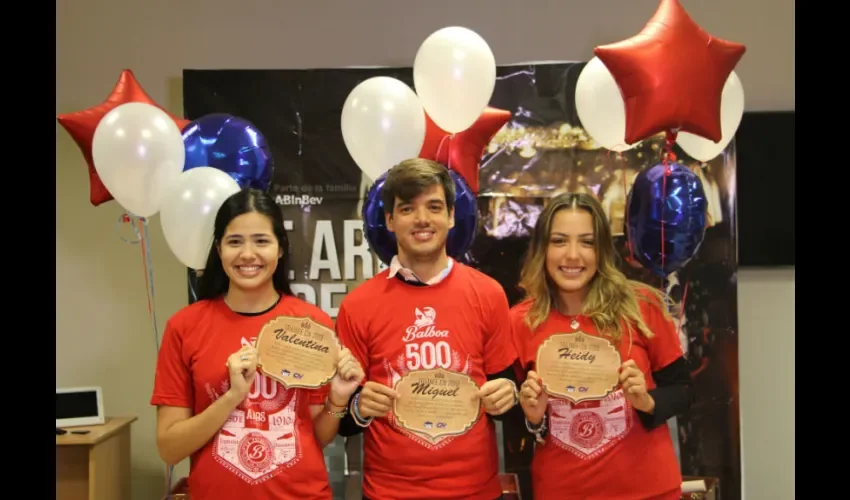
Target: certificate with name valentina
[
  {"x": 298, "y": 352},
  {"x": 436, "y": 403}
]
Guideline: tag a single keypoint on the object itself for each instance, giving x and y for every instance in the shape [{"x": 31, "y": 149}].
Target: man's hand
[
  {"x": 498, "y": 396},
  {"x": 376, "y": 400}
]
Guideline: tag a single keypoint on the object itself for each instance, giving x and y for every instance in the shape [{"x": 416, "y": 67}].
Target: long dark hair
[{"x": 214, "y": 282}]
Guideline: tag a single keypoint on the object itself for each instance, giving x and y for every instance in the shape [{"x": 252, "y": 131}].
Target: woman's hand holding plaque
[
  {"x": 633, "y": 383},
  {"x": 298, "y": 352},
  {"x": 533, "y": 398},
  {"x": 349, "y": 373},
  {"x": 578, "y": 367}
]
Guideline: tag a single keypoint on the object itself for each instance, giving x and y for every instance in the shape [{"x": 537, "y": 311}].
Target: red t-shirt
[
  {"x": 600, "y": 449},
  {"x": 267, "y": 449},
  {"x": 461, "y": 324}
]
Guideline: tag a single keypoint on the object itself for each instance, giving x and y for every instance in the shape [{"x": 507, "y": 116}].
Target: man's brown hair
[{"x": 412, "y": 177}]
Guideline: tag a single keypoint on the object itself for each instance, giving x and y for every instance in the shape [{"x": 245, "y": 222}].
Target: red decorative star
[
  {"x": 82, "y": 124},
  {"x": 671, "y": 75},
  {"x": 462, "y": 153}
]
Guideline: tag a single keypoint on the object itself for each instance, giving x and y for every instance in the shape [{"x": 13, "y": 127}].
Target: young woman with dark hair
[{"x": 247, "y": 435}]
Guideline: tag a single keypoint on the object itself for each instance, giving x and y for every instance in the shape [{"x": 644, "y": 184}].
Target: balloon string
[
  {"x": 440, "y": 148},
  {"x": 126, "y": 218},
  {"x": 667, "y": 156},
  {"x": 143, "y": 223},
  {"x": 148, "y": 265},
  {"x": 142, "y": 238}
]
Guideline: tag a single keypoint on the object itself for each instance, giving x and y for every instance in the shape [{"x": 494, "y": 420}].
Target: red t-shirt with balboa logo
[
  {"x": 600, "y": 449},
  {"x": 267, "y": 449},
  {"x": 460, "y": 324}
]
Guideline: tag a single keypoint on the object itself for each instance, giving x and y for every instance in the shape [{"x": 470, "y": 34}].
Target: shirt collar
[{"x": 407, "y": 275}]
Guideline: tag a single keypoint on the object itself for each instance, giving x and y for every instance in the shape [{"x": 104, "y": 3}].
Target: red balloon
[
  {"x": 462, "y": 153},
  {"x": 671, "y": 75},
  {"x": 82, "y": 124}
]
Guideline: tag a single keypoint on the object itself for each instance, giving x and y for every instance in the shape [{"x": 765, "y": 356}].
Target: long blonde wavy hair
[{"x": 612, "y": 301}]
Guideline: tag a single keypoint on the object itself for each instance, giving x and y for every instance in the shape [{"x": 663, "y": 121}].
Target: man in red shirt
[{"x": 427, "y": 311}]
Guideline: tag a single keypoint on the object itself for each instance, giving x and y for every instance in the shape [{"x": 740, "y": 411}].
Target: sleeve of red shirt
[
  {"x": 349, "y": 336},
  {"x": 665, "y": 347},
  {"x": 172, "y": 379},
  {"x": 318, "y": 396},
  {"x": 499, "y": 349}
]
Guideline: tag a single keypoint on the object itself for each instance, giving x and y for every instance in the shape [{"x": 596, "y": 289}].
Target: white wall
[{"x": 767, "y": 385}]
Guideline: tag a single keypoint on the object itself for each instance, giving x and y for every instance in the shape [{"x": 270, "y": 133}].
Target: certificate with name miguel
[{"x": 436, "y": 403}]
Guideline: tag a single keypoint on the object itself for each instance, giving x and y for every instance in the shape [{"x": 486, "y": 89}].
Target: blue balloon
[
  {"x": 382, "y": 241},
  {"x": 671, "y": 197},
  {"x": 232, "y": 145}
]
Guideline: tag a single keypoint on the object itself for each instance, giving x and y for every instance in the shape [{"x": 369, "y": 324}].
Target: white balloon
[
  {"x": 382, "y": 124},
  {"x": 731, "y": 113},
  {"x": 454, "y": 74},
  {"x": 138, "y": 153},
  {"x": 188, "y": 212},
  {"x": 600, "y": 107}
]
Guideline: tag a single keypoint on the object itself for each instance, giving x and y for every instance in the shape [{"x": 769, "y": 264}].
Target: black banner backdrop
[{"x": 541, "y": 152}]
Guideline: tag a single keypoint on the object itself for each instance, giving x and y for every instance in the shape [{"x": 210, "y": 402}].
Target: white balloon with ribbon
[
  {"x": 731, "y": 113},
  {"x": 600, "y": 107},
  {"x": 382, "y": 124},
  {"x": 454, "y": 74},
  {"x": 138, "y": 154},
  {"x": 188, "y": 213}
]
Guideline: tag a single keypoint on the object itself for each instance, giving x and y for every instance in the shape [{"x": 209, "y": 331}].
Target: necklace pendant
[{"x": 574, "y": 324}]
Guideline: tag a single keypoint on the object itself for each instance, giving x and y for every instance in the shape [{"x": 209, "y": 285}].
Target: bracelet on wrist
[
  {"x": 537, "y": 430},
  {"x": 516, "y": 392},
  {"x": 359, "y": 420},
  {"x": 335, "y": 414}
]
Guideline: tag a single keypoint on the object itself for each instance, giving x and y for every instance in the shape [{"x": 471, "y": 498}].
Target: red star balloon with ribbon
[
  {"x": 671, "y": 75},
  {"x": 462, "y": 152},
  {"x": 82, "y": 124}
]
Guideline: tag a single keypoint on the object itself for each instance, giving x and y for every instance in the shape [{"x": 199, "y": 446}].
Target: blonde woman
[{"x": 618, "y": 447}]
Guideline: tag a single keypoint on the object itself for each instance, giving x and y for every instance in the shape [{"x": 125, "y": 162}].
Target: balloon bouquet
[
  {"x": 671, "y": 78},
  {"x": 447, "y": 119},
  {"x": 150, "y": 161}
]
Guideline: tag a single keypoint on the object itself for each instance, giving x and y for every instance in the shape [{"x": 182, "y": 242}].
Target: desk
[{"x": 95, "y": 466}]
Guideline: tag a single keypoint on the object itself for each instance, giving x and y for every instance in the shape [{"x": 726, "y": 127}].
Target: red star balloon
[
  {"x": 462, "y": 153},
  {"x": 82, "y": 124},
  {"x": 671, "y": 75}
]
